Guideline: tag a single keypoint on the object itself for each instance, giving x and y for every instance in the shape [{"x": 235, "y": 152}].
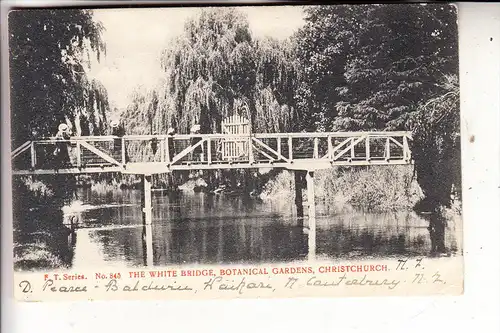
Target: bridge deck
[{"x": 147, "y": 154}]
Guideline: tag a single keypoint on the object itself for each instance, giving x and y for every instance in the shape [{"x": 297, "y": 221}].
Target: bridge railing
[{"x": 215, "y": 149}]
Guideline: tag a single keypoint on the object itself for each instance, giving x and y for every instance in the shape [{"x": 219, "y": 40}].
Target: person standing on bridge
[
  {"x": 63, "y": 145},
  {"x": 171, "y": 146},
  {"x": 198, "y": 151},
  {"x": 118, "y": 131},
  {"x": 154, "y": 143}
]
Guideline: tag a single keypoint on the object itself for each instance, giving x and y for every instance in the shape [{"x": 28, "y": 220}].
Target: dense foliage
[
  {"x": 387, "y": 67},
  {"x": 367, "y": 66},
  {"x": 436, "y": 145},
  {"x": 50, "y": 52}
]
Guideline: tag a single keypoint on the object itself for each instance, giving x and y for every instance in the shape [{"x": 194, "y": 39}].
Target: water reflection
[
  {"x": 205, "y": 229},
  {"x": 311, "y": 238},
  {"x": 147, "y": 245}
]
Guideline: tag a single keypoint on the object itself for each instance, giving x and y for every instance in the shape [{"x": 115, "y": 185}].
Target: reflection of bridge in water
[
  {"x": 146, "y": 155},
  {"x": 180, "y": 235}
]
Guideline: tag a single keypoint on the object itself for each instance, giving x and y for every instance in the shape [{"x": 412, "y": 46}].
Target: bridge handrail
[{"x": 407, "y": 134}]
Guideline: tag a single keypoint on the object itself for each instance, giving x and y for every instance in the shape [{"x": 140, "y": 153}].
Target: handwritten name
[
  {"x": 113, "y": 285},
  {"x": 238, "y": 286},
  {"x": 49, "y": 285}
]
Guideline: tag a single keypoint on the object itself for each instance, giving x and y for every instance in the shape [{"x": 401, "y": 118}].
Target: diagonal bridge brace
[
  {"x": 20, "y": 149},
  {"x": 100, "y": 153},
  {"x": 332, "y": 150},
  {"x": 345, "y": 150},
  {"x": 187, "y": 151},
  {"x": 271, "y": 150}
]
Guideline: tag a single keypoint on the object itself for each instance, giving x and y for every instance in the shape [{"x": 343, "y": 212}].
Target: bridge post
[
  {"x": 124, "y": 156},
  {"x": 406, "y": 150},
  {"x": 33, "y": 155},
  {"x": 311, "y": 215},
  {"x": 147, "y": 208},
  {"x": 316, "y": 148},
  {"x": 147, "y": 239}
]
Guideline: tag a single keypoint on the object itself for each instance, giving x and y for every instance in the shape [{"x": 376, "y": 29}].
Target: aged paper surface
[
  {"x": 245, "y": 152},
  {"x": 402, "y": 277}
]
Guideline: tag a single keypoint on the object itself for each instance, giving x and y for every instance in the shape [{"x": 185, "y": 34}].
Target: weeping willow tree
[
  {"x": 141, "y": 118},
  {"x": 213, "y": 70},
  {"x": 277, "y": 77},
  {"x": 209, "y": 71},
  {"x": 90, "y": 118},
  {"x": 216, "y": 69}
]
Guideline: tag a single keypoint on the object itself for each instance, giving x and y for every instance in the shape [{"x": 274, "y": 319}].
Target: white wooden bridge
[
  {"x": 147, "y": 154},
  {"x": 137, "y": 154}
]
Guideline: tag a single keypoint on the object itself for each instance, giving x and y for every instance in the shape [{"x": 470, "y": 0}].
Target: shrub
[{"x": 380, "y": 188}]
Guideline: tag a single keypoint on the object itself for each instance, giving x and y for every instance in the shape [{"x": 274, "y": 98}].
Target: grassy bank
[
  {"x": 37, "y": 223},
  {"x": 39, "y": 253},
  {"x": 380, "y": 189}
]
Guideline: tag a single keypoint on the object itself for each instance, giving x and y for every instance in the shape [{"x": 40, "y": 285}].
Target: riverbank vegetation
[
  {"x": 37, "y": 217},
  {"x": 380, "y": 189}
]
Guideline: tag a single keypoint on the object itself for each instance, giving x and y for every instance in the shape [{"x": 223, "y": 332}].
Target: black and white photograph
[{"x": 234, "y": 135}]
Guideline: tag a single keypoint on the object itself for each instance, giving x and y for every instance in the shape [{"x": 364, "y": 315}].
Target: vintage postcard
[{"x": 235, "y": 152}]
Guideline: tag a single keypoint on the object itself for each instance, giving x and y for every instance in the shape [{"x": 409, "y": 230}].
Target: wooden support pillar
[
  {"x": 316, "y": 148},
  {"x": 209, "y": 151},
  {"x": 299, "y": 185},
  {"x": 251, "y": 157},
  {"x": 330, "y": 148},
  {"x": 387, "y": 149},
  {"x": 124, "y": 155},
  {"x": 162, "y": 151},
  {"x": 147, "y": 208},
  {"x": 167, "y": 149},
  {"x": 352, "y": 148},
  {"x": 310, "y": 194},
  {"x": 78, "y": 154},
  {"x": 406, "y": 149}
]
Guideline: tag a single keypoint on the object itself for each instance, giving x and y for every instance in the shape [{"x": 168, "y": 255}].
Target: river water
[{"x": 197, "y": 228}]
